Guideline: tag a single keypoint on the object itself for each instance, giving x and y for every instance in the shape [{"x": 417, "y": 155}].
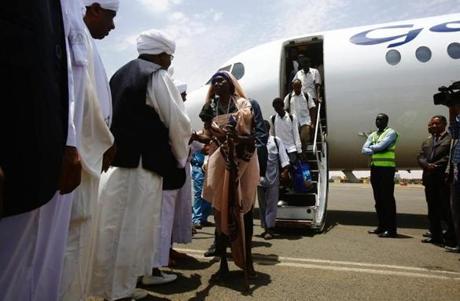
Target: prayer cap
[
  {"x": 154, "y": 41},
  {"x": 106, "y": 4}
]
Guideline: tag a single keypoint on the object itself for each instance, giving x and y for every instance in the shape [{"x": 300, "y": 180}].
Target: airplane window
[
  {"x": 423, "y": 54},
  {"x": 226, "y": 68},
  {"x": 238, "y": 70},
  {"x": 454, "y": 50},
  {"x": 393, "y": 57}
]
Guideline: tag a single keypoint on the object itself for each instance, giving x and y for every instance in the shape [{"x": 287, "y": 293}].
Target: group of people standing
[
  {"x": 91, "y": 203},
  {"x": 437, "y": 158}
]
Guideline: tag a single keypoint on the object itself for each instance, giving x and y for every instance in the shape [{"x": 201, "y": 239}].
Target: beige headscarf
[{"x": 238, "y": 91}]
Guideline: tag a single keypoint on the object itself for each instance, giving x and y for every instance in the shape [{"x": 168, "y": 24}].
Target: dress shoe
[
  {"x": 268, "y": 236},
  {"x": 375, "y": 231},
  {"x": 206, "y": 224},
  {"x": 427, "y": 234},
  {"x": 455, "y": 249},
  {"x": 211, "y": 252},
  {"x": 388, "y": 234},
  {"x": 433, "y": 241}
]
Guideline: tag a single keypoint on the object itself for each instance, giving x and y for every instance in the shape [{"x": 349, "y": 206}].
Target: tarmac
[{"x": 343, "y": 263}]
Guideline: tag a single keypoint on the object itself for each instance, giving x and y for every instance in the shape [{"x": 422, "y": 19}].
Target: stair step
[{"x": 298, "y": 199}]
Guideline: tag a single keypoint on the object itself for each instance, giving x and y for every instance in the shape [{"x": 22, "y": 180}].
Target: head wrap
[
  {"x": 235, "y": 86},
  {"x": 154, "y": 41},
  {"x": 105, "y": 4},
  {"x": 181, "y": 86}
]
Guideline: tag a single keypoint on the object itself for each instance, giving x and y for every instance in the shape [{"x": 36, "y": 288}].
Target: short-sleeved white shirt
[
  {"x": 309, "y": 80},
  {"x": 288, "y": 131},
  {"x": 300, "y": 107}
]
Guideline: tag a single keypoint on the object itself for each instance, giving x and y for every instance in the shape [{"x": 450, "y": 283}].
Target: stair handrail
[{"x": 317, "y": 129}]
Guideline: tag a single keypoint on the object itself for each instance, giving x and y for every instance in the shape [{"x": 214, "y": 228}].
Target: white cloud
[{"x": 159, "y": 6}]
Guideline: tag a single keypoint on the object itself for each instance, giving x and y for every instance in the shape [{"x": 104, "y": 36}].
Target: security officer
[{"x": 380, "y": 146}]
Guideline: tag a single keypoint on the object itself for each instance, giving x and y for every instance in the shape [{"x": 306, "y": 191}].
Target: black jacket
[
  {"x": 436, "y": 153},
  {"x": 33, "y": 102},
  {"x": 137, "y": 128}
]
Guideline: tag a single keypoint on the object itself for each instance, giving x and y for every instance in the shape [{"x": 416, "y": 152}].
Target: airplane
[{"x": 393, "y": 68}]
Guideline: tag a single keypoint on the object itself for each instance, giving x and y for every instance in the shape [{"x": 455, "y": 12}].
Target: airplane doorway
[{"x": 307, "y": 208}]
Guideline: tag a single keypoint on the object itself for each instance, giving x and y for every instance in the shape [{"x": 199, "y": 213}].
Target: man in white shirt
[
  {"x": 302, "y": 106},
  {"x": 285, "y": 127},
  {"x": 268, "y": 189},
  {"x": 310, "y": 78}
]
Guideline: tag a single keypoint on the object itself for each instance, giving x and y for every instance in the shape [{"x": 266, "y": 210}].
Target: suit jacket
[
  {"x": 34, "y": 102},
  {"x": 436, "y": 153}
]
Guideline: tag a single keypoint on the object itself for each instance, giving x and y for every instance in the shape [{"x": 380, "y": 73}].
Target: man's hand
[
  {"x": 108, "y": 158},
  {"x": 71, "y": 170},
  {"x": 431, "y": 167},
  {"x": 2, "y": 181}
]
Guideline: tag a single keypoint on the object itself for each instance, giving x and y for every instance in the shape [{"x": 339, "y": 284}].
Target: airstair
[{"x": 309, "y": 209}]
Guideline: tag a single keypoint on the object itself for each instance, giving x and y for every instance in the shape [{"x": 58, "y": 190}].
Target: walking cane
[{"x": 235, "y": 221}]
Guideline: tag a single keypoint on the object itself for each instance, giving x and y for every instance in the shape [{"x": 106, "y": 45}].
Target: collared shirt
[
  {"x": 455, "y": 131},
  {"x": 300, "y": 107},
  {"x": 309, "y": 80},
  {"x": 288, "y": 131},
  {"x": 276, "y": 156},
  {"x": 389, "y": 139}
]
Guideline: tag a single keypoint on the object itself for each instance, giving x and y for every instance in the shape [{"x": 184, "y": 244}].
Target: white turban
[
  {"x": 106, "y": 4},
  {"x": 181, "y": 86},
  {"x": 154, "y": 41}
]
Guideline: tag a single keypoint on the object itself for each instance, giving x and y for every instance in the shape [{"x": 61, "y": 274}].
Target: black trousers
[
  {"x": 437, "y": 198},
  {"x": 222, "y": 241},
  {"x": 383, "y": 186},
  {"x": 455, "y": 204}
]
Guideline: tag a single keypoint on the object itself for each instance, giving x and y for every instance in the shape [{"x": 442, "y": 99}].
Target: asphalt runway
[{"x": 344, "y": 263}]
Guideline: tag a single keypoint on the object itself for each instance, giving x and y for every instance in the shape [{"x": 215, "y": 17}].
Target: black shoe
[
  {"x": 207, "y": 224},
  {"x": 211, "y": 252},
  {"x": 388, "y": 234},
  {"x": 433, "y": 241},
  {"x": 455, "y": 249},
  {"x": 427, "y": 234},
  {"x": 375, "y": 231}
]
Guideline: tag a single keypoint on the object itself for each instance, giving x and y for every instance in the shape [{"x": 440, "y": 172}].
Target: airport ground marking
[{"x": 347, "y": 266}]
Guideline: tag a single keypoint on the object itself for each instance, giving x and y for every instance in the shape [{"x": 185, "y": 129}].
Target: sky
[{"x": 208, "y": 33}]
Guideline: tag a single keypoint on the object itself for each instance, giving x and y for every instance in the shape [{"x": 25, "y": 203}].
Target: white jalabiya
[
  {"x": 32, "y": 251},
  {"x": 94, "y": 139},
  {"x": 130, "y": 204},
  {"x": 164, "y": 97},
  {"x": 162, "y": 243},
  {"x": 182, "y": 226},
  {"x": 32, "y": 244},
  {"x": 129, "y": 212}
]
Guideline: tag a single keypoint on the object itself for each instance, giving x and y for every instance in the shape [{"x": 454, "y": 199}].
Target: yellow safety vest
[{"x": 386, "y": 158}]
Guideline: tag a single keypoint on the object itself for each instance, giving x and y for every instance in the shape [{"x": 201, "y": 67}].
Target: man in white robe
[
  {"x": 93, "y": 135},
  {"x": 151, "y": 132},
  {"x": 33, "y": 243}
]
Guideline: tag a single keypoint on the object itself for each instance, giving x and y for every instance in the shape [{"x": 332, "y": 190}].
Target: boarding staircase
[{"x": 309, "y": 209}]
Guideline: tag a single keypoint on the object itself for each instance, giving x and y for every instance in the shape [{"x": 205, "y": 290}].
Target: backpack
[{"x": 288, "y": 109}]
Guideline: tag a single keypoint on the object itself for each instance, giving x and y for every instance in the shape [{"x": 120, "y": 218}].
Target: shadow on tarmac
[
  {"x": 235, "y": 282},
  {"x": 358, "y": 218}
]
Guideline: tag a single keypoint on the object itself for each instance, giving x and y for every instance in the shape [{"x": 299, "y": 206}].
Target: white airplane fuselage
[{"x": 360, "y": 83}]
